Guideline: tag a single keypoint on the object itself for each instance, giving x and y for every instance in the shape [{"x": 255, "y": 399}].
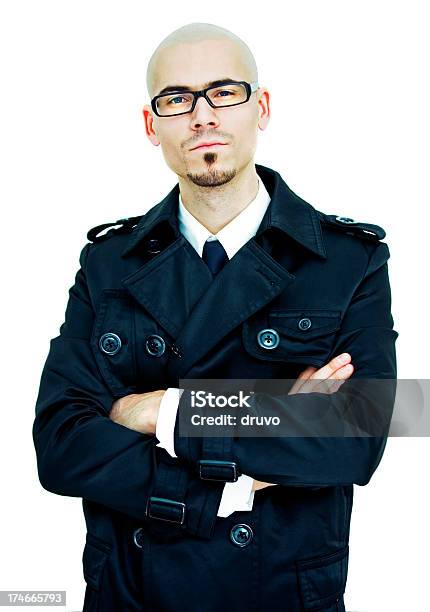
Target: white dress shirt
[{"x": 237, "y": 496}]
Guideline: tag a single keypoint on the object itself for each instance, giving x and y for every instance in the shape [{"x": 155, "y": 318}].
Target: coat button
[
  {"x": 110, "y": 343},
  {"x": 268, "y": 338},
  {"x": 241, "y": 535},
  {"x": 345, "y": 220},
  {"x": 304, "y": 323},
  {"x": 155, "y": 345},
  {"x": 153, "y": 246},
  {"x": 138, "y": 537}
]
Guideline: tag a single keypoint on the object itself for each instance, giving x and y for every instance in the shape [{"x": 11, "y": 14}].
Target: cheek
[
  {"x": 172, "y": 139},
  {"x": 171, "y": 147},
  {"x": 245, "y": 126}
]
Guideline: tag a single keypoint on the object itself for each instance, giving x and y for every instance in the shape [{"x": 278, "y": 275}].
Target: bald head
[{"x": 189, "y": 36}]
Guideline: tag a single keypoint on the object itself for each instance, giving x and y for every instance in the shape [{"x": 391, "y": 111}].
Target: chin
[{"x": 212, "y": 177}]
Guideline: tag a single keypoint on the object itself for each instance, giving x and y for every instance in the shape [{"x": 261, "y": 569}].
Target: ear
[
  {"x": 150, "y": 129},
  {"x": 263, "y": 107}
]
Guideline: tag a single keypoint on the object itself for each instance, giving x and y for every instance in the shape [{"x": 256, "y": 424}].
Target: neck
[{"x": 216, "y": 206}]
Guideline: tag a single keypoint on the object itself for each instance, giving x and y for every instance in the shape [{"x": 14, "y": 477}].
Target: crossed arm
[{"x": 139, "y": 411}]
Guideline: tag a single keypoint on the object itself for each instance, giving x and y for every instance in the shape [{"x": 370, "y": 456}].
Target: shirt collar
[
  {"x": 287, "y": 212},
  {"x": 233, "y": 235}
]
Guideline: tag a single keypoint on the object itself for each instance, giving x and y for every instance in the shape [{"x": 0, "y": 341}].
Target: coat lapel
[
  {"x": 176, "y": 286},
  {"x": 169, "y": 285},
  {"x": 247, "y": 282}
]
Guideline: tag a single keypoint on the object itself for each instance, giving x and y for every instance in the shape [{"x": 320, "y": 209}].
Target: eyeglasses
[{"x": 228, "y": 93}]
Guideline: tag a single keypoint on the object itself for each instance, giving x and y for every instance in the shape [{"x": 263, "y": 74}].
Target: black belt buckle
[
  {"x": 221, "y": 471},
  {"x": 168, "y": 510}
]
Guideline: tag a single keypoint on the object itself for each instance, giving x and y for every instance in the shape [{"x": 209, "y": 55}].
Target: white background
[{"x": 349, "y": 132}]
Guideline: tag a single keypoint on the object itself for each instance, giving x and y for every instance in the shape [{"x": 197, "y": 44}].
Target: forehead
[{"x": 194, "y": 65}]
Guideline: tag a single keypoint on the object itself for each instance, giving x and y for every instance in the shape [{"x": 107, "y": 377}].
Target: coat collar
[{"x": 286, "y": 212}]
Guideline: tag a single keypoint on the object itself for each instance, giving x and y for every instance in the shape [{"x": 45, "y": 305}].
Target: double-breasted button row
[
  {"x": 241, "y": 535},
  {"x": 110, "y": 344}
]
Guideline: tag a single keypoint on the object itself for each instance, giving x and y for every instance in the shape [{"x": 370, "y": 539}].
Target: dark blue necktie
[{"x": 214, "y": 256}]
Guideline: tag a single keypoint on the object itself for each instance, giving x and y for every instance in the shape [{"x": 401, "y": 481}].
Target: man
[{"x": 230, "y": 276}]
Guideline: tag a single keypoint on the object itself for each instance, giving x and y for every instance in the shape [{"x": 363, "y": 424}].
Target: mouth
[{"x": 209, "y": 146}]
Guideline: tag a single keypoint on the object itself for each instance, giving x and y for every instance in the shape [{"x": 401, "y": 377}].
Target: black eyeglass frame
[{"x": 250, "y": 89}]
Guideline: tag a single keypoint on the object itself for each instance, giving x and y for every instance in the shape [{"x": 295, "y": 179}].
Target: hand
[
  {"x": 259, "y": 484},
  {"x": 138, "y": 411},
  {"x": 327, "y": 379}
]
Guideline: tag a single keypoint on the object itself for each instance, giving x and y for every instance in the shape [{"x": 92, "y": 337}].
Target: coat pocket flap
[
  {"x": 305, "y": 324},
  {"x": 94, "y": 558},
  {"x": 322, "y": 580},
  {"x": 301, "y": 336}
]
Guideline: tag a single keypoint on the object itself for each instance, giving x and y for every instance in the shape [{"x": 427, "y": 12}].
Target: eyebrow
[{"x": 182, "y": 88}]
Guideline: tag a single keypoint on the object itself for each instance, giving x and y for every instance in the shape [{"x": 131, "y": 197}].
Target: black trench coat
[{"x": 143, "y": 313}]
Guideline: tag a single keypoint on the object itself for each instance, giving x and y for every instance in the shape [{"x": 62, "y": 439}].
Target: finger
[
  {"x": 340, "y": 375},
  {"x": 308, "y": 385},
  {"x": 336, "y": 385},
  {"x": 258, "y": 484},
  {"x": 328, "y": 371},
  {"x": 343, "y": 373},
  {"x": 328, "y": 386},
  {"x": 333, "y": 365},
  {"x": 315, "y": 385},
  {"x": 304, "y": 375}
]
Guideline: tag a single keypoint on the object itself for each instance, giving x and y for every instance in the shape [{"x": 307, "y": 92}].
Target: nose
[{"x": 203, "y": 114}]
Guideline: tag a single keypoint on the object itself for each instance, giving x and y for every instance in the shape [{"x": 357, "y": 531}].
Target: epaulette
[
  {"x": 368, "y": 231},
  {"x": 125, "y": 227}
]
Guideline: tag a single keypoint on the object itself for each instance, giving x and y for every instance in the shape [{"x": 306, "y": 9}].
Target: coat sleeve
[
  {"x": 80, "y": 451},
  {"x": 311, "y": 458}
]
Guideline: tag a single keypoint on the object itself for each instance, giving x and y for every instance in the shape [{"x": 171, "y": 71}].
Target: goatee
[{"x": 212, "y": 178}]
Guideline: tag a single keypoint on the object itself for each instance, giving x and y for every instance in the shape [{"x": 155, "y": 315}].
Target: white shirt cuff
[
  {"x": 165, "y": 427},
  {"x": 237, "y": 496}
]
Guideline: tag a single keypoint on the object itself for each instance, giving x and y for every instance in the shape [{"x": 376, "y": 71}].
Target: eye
[
  {"x": 175, "y": 98},
  {"x": 225, "y": 91}
]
